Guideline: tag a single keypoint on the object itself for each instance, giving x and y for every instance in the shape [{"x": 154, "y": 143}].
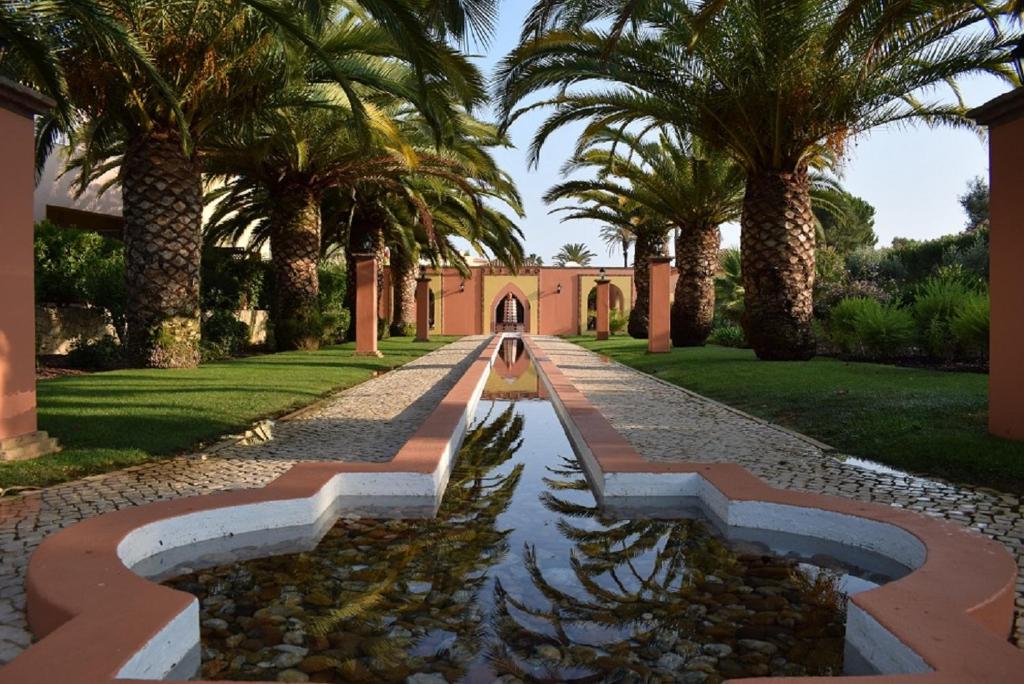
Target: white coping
[
  {"x": 163, "y": 653},
  {"x": 180, "y": 636}
]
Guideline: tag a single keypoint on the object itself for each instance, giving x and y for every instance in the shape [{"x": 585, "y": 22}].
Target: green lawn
[
  {"x": 923, "y": 421},
  {"x": 112, "y": 420}
]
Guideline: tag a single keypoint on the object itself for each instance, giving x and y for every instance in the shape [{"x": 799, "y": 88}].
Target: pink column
[
  {"x": 423, "y": 309},
  {"x": 603, "y": 303},
  {"x": 19, "y": 438},
  {"x": 1004, "y": 117},
  {"x": 366, "y": 305},
  {"x": 658, "y": 323}
]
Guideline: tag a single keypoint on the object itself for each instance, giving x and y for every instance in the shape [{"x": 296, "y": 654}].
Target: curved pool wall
[{"x": 98, "y": 621}]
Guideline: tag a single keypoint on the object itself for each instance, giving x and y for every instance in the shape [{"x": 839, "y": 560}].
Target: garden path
[
  {"x": 368, "y": 422},
  {"x": 668, "y": 423}
]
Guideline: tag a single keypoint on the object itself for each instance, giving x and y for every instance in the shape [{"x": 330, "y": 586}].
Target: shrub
[
  {"x": 865, "y": 327},
  {"x": 223, "y": 335},
  {"x": 102, "y": 354},
  {"x": 971, "y": 257},
  {"x": 884, "y": 330},
  {"x": 728, "y": 336},
  {"x": 937, "y": 302},
  {"x": 826, "y": 298},
  {"x": 922, "y": 259},
  {"x": 79, "y": 267},
  {"x": 617, "y": 322},
  {"x": 970, "y": 325},
  {"x": 234, "y": 280},
  {"x": 334, "y": 317}
]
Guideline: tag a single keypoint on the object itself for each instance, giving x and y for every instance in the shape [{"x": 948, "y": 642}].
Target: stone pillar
[
  {"x": 659, "y": 324},
  {"x": 422, "y": 309},
  {"x": 603, "y": 305},
  {"x": 19, "y": 436},
  {"x": 1004, "y": 117},
  {"x": 366, "y": 304}
]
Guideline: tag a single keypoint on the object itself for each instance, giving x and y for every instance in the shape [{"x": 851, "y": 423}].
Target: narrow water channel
[{"x": 521, "y": 577}]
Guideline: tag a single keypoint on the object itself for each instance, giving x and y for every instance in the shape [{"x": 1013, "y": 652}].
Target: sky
[{"x": 912, "y": 176}]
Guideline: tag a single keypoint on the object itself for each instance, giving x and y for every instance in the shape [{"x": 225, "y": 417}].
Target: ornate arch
[{"x": 524, "y": 301}]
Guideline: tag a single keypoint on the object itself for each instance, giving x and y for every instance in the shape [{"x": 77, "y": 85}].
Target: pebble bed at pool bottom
[{"x": 519, "y": 578}]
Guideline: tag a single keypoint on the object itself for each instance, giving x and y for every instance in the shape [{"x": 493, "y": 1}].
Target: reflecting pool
[{"x": 521, "y": 577}]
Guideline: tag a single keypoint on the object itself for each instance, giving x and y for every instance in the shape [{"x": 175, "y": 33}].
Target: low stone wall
[{"x": 57, "y": 327}]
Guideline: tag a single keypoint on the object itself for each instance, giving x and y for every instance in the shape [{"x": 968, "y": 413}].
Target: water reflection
[{"x": 521, "y": 577}]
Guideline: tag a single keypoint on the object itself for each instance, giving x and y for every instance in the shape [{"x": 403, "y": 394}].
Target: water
[{"x": 523, "y": 577}]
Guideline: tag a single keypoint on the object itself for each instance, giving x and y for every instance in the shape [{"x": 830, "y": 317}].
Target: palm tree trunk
[
  {"x": 643, "y": 249},
  {"x": 777, "y": 242},
  {"x": 625, "y": 254},
  {"x": 403, "y": 281},
  {"x": 295, "y": 248},
  {"x": 162, "y": 195},
  {"x": 693, "y": 309}
]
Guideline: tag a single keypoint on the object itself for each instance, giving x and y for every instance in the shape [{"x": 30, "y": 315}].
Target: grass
[
  {"x": 111, "y": 420},
  {"x": 923, "y": 421}
]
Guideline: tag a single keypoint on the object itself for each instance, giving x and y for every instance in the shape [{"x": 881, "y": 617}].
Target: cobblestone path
[
  {"x": 668, "y": 423},
  {"x": 370, "y": 422}
]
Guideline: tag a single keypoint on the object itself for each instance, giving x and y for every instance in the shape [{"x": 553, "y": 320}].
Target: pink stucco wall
[
  {"x": 462, "y": 308},
  {"x": 559, "y": 312},
  {"x": 17, "y": 311},
  {"x": 1006, "y": 279}
]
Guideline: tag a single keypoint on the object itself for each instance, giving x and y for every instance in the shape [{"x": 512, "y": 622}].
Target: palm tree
[
  {"x": 591, "y": 201},
  {"x": 777, "y": 83},
  {"x": 575, "y": 253},
  {"x": 618, "y": 238},
  {"x": 221, "y": 61},
  {"x": 680, "y": 180}
]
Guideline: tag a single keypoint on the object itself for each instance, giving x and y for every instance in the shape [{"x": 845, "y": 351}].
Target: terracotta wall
[
  {"x": 559, "y": 314},
  {"x": 1006, "y": 362},
  {"x": 462, "y": 310},
  {"x": 17, "y": 311}
]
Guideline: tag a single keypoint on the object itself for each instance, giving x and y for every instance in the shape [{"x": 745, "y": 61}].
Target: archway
[
  {"x": 510, "y": 310},
  {"x": 617, "y": 302}
]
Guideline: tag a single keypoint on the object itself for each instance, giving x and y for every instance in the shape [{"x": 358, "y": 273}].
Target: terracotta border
[
  {"x": 958, "y": 628},
  {"x": 955, "y": 611}
]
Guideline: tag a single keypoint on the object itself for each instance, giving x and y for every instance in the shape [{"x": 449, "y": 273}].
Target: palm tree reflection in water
[{"x": 519, "y": 576}]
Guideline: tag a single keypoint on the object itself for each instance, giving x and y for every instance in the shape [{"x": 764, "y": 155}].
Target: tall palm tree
[
  {"x": 592, "y": 202},
  {"x": 618, "y": 238},
  {"x": 777, "y": 83},
  {"x": 575, "y": 253},
  {"x": 680, "y": 180}
]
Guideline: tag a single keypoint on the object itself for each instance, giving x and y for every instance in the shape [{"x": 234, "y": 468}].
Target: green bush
[
  {"x": 884, "y": 331},
  {"x": 826, "y": 298},
  {"x": 97, "y": 355},
  {"x": 335, "y": 318},
  {"x": 937, "y": 301},
  {"x": 224, "y": 335},
  {"x": 922, "y": 259},
  {"x": 728, "y": 336},
  {"x": 865, "y": 327},
  {"x": 617, "y": 321},
  {"x": 970, "y": 326},
  {"x": 79, "y": 267},
  {"x": 234, "y": 280}
]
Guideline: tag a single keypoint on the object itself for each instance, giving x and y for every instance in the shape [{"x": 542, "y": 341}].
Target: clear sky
[{"x": 912, "y": 176}]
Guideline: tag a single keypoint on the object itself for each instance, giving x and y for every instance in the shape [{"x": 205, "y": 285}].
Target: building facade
[{"x": 539, "y": 300}]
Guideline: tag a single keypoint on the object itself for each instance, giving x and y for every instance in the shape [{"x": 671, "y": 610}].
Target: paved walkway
[
  {"x": 367, "y": 422},
  {"x": 667, "y": 423}
]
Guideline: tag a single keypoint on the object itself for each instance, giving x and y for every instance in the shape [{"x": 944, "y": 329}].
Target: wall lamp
[
  {"x": 558, "y": 288},
  {"x": 602, "y": 275},
  {"x": 423, "y": 272},
  {"x": 462, "y": 285}
]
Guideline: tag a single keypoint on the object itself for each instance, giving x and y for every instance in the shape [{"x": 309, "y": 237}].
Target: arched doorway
[
  {"x": 616, "y": 302},
  {"x": 510, "y": 311}
]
